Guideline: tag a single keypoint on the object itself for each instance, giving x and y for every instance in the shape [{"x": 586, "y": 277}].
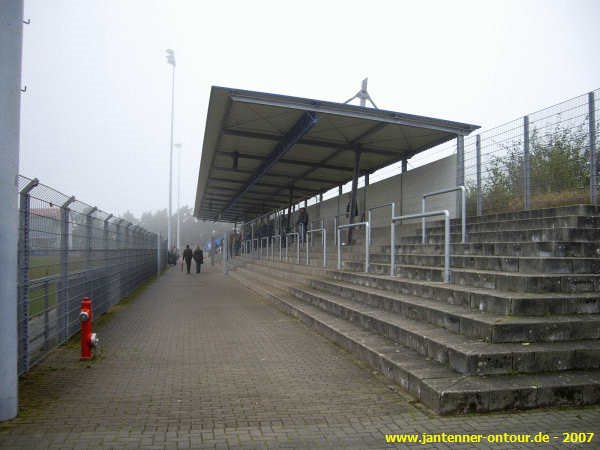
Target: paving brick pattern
[{"x": 199, "y": 361}]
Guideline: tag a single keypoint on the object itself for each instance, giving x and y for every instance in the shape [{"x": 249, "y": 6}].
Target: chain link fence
[
  {"x": 545, "y": 159},
  {"x": 69, "y": 250}
]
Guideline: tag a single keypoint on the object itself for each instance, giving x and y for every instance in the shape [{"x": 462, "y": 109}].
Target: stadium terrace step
[
  {"x": 487, "y": 279},
  {"x": 462, "y": 354},
  {"x": 518, "y": 224},
  {"x": 487, "y": 327},
  {"x": 588, "y": 235},
  {"x": 487, "y": 300},
  {"x": 434, "y": 384},
  {"x": 555, "y": 249},
  {"x": 520, "y": 264}
]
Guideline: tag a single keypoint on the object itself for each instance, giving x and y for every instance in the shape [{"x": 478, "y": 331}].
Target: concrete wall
[{"x": 406, "y": 190}]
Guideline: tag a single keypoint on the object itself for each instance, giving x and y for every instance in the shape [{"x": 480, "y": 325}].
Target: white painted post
[{"x": 11, "y": 43}]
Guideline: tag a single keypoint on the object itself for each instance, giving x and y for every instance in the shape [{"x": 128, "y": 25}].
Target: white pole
[
  {"x": 171, "y": 61},
  {"x": 11, "y": 45},
  {"x": 178, "y": 194}
]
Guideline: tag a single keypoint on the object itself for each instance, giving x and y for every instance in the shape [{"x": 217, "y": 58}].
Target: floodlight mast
[
  {"x": 363, "y": 95},
  {"x": 171, "y": 61}
]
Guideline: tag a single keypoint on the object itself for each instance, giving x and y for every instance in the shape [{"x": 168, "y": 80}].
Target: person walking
[
  {"x": 199, "y": 258},
  {"x": 187, "y": 256},
  {"x": 302, "y": 224}
]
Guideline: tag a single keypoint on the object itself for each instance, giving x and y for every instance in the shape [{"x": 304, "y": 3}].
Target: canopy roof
[{"x": 262, "y": 150}]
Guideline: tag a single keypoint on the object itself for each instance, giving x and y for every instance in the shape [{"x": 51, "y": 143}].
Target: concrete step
[
  {"x": 518, "y": 224},
  {"x": 433, "y": 384},
  {"x": 487, "y": 300},
  {"x": 517, "y": 264},
  {"x": 487, "y": 279},
  {"x": 493, "y": 328},
  {"x": 577, "y": 210},
  {"x": 507, "y": 248},
  {"x": 589, "y": 235},
  {"x": 461, "y": 354}
]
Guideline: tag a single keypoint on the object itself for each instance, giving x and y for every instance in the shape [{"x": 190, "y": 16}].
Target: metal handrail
[
  {"x": 446, "y": 215},
  {"x": 339, "y": 247},
  {"x": 324, "y": 241},
  {"x": 297, "y": 246},
  {"x": 463, "y": 209},
  {"x": 278, "y": 237},
  {"x": 370, "y": 216}
]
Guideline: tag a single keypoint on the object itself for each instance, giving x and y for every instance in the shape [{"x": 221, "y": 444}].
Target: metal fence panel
[{"x": 69, "y": 250}]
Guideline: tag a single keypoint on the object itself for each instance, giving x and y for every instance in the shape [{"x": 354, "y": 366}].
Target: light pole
[
  {"x": 178, "y": 145},
  {"x": 171, "y": 61}
]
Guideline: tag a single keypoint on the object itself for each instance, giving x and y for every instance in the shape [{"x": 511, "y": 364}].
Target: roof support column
[{"x": 353, "y": 205}]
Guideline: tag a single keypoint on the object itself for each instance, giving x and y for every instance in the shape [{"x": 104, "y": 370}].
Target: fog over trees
[{"x": 193, "y": 231}]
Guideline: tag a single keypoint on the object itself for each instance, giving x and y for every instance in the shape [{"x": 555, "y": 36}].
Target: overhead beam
[
  {"x": 299, "y": 129},
  {"x": 261, "y": 184},
  {"x": 354, "y": 142},
  {"x": 313, "y": 142},
  {"x": 295, "y": 162},
  {"x": 270, "y": 174}
]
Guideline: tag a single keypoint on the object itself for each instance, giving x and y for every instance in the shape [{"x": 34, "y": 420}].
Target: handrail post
[
  {"x": 335, "y": 233},
  {"x": 307, "y": 239},
  {"x": 367, "y": 246},
  {"x": 339, "y": 249},
  {"x": 464, "y": 214},
  {"x": 324, "y": 247},
  {"x": 369, "y": 217},
  {"x": 447, "y": 247}
]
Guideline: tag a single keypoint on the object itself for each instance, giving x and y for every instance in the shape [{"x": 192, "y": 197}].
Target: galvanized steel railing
[
  {"x": 339, "y": 246},
  {"x": 446, "y": 215},
  {"x": 323, "y": 241},
  {"x": 463, "y": 215}
]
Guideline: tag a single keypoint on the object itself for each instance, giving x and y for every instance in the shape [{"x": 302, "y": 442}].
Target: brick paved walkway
[{"x": 198, "y": 361}]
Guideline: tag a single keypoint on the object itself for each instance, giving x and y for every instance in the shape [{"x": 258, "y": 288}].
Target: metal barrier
[
  {"x": 446, "y": 215},
  {"x": 260, "y": 253},
  {"x": 463, "y": 203},
  {"x": 287, "y": 245},
  {"x": 69, "y": 250},
  {"x": 370, "y": 216},
  {"x": 323, "y": 240},
  {"x": 339, "y": 246},
  {"x": 278, "y": 237}
]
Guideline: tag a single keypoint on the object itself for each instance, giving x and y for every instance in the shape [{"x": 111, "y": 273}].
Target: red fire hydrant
[{"x": 89, "y": 340}]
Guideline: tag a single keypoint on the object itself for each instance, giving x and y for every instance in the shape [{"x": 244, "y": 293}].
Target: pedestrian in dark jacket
[
  {"x": 187, "y": 256},
  {"x": 199, "y": 258},
  {"x": 302, "y": 223}
]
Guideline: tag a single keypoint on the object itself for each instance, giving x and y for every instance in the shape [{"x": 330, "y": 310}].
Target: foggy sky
[{"x": 96, "y": 115}]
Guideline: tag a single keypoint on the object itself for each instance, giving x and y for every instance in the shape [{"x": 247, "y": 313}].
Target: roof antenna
[{"x": 363, "y": 95}]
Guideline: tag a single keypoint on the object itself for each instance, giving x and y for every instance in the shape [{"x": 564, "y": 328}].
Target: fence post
[
  {"x": 88, "y": 236},
  {"x": 106, "y": 244},
  {"x": 478, "y": 156},
  {"x": 23, "y": 276},
  {"x": 157, "y": 254},
  {"x": 526, "y": 165},
  {"x": 460, "y": 164},
  {"x": 593, "y": 156},
  {"x": 63, "y": 292}
]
